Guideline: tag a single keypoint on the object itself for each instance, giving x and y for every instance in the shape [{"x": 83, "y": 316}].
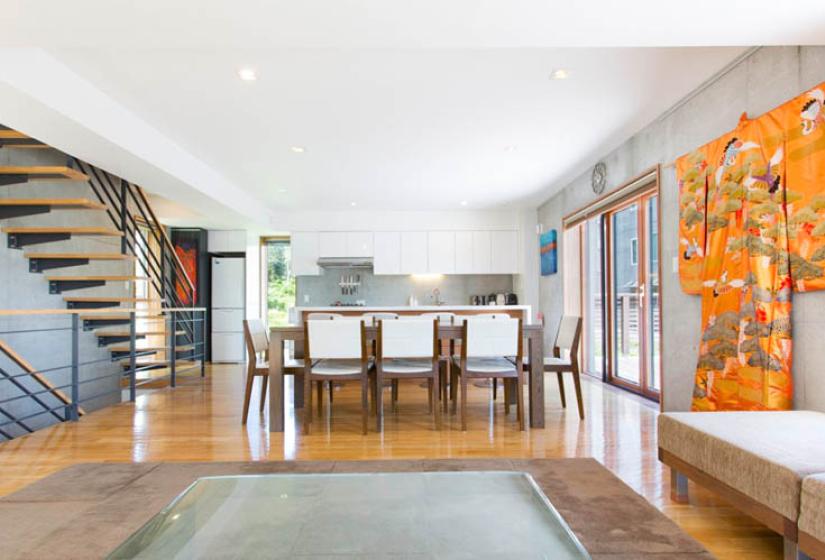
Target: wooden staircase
[{"x": 128, "y": 217}]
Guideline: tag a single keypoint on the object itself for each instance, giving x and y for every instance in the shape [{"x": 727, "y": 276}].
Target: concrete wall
[
  {"x": 394, "y": 290},
  {"x": 20, "y": 289},
  {"x": 760, "y": 82}
]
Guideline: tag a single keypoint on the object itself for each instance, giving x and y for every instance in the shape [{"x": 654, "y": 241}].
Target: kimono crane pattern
[{"x": 752, "y": 232}]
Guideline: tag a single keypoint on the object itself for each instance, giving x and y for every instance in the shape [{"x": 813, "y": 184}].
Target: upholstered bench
[
  {"x": 812, "y": 516},
  {"x": 756, "y": 460}
]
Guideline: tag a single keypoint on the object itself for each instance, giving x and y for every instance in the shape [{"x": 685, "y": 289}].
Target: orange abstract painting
[{"x": 751, "y": 232}]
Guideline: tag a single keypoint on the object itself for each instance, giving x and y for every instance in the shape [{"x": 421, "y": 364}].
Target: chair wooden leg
[
  {"x": 443, "y": 372},
  {"x": 319, "y": 387},
  {"x": 577, "y": 382},
  {"x": 435, "y": 390},
  {"x": 394, "y": 392},
  {"x": 432, "y": 397},
  {"x": 307, "y": 403},
  {"x": 250, "y": 378},
  {"x": 264, "y": 383},
  {"x": 495, "y": 388},
  {"x": 331, "y": 390},
  {"x": 508, "y": 387},
  {"x": 365, "y": 405},
  {"x": 561, "y": 389},
  {"x": 463, "y": 403},
  {"x": 520, "y": 399},
  {"x": 453, "y": 390},
  {"x": 379, "y": 402}
]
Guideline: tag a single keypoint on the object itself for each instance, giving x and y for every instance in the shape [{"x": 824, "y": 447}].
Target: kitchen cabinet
[
  {"x": 344, "y": 244},
  {"x": 387, "y": 252},
  {"x": 503, "y": 252},
  {"x": 482, "y": 252},
  {"x": 414, "y": 248},
  {"x": 305, "y": 247},
  {"x": 226, "y": 241},
  {"x": 441, "y": 252},
  {"x": 464, "y": 252}
]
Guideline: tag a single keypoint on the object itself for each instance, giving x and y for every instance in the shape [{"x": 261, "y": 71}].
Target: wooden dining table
[{"x": 533, "y": 335}]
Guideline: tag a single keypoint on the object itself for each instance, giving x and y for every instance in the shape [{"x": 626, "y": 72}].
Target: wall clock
[{"x": 599, "y": 178}]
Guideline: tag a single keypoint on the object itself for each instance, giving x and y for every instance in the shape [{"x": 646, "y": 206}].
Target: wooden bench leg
[{"x": 678, "y": 487}]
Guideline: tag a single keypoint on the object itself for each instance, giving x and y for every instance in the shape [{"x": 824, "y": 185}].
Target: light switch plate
[
  {"x": 675, "y": 265},
  {"x": 306, "y": 298}
]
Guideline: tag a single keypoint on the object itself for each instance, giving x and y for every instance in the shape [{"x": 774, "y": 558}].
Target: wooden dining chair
[
  {"x": 335, "y": 351},
  {"x": 407, "y": 349},
  {"x": 485, "y": 349},
  {"x": 566, "y": 357},
  {"x": 444, "y": 319},
  {"x": 257, "y": 347}
]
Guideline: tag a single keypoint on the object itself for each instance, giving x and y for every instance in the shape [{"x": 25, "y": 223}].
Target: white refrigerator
[{"x": 228, "y": 306}]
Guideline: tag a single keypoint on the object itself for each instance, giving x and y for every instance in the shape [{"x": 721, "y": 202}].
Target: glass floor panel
[{"x": 450, "y": 515}]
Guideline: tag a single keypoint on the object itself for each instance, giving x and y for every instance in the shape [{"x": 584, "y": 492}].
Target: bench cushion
[
  {"x": 812, "y": 510},
  {"x": 764, "y": 455}
]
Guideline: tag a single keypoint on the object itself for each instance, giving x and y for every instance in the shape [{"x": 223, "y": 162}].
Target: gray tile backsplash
[{"x": 395, "y": 290}]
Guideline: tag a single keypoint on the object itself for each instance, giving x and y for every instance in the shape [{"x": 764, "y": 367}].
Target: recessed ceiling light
[
  {"x": 509, "y": 148},
  {"x": 298, "y": 149},
  {"x": 464, "y": 203},
  {"x": 560, "y": 74},
  {"x": 247, "y": 74},
  {"x": 352, "y": 204},
  {"x": 282, "y": 190}
]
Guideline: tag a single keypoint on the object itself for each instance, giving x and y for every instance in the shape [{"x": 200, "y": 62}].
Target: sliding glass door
[
  {"x": 279, "y": 282},
  {"x": 633, "y": 290}
]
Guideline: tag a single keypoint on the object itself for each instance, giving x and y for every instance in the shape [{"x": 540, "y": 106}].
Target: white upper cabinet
[
  {"x": 342, "y": 244},
  {"x": 504, "y": 252},
  {"x": 305, "y": 252},
  {"x": 387, "y": 252},
  {"x": 227, "y": 241},
  {"x": 359, "y": 244},
  {"x": 441, "y": 252},
  {"x": 482, "y": 252},
  {"x": 464, "y": 252},
  {"x": 414, "y": 248},
  {"x": 332, "y": 244}
]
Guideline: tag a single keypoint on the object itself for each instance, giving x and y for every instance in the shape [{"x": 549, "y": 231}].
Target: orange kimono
[{"x": 751, "y": 232}]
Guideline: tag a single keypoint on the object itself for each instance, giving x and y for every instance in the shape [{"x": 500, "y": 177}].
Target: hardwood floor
[{"x": 200, "y": 420}]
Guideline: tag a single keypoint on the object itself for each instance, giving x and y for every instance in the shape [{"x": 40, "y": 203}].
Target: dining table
[{"x": 279, "y": 335}]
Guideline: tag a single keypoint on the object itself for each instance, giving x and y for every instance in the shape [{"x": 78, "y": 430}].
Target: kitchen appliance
[
  {"x": 491, "y": 299},
  {"x": 345, "y": 262},
  {"x": 512, "y": 299},
  {"x": 501, "y": 299},
  {"x": 228, "y": 306}
]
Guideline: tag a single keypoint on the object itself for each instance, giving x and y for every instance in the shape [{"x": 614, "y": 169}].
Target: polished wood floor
[{"x": 200, "y": 421}]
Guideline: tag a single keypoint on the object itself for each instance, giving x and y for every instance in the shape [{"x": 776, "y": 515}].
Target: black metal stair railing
[{"x": 129, "y": 210}]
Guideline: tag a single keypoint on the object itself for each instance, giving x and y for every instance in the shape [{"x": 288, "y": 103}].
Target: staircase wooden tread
[
  {"x": 102, "y": 334},
  {"x": 96, "y": 278},
  {"x": 90, "y": 256},
  {"x": 95, "y": 299},
  {"x": 8, "y": 134},
  {"x": 71, "y": 230},
  {"x": 44, "y": 172},
  {"x": 122, "y": 317},
  {"x": 83, "y": 203},
  {"x": 179, "y": 348}
]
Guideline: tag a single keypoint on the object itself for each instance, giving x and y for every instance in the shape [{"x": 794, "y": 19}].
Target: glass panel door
[
  {"x": 625, "y": 295},
  {"x": 651, "y": 274},
  {"x": 593, "y": 301}
]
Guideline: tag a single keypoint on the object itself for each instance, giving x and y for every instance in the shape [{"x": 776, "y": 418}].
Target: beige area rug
[{"x": 86, "y": 510}]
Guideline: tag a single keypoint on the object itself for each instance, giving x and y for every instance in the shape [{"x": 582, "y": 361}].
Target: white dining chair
[
  {"x": 335, "y": 351},
  {"x": 407, "y": 349},
  {"x": 485, "y": 349},
  {"x": 323, "y": 316},
  {"x": 372, "y": 319}
]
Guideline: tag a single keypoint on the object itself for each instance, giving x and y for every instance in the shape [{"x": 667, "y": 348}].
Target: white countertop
[{"x": 422, "y": 308}]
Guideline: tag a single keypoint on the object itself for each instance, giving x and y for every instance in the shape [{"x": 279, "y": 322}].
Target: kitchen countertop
[{"x": 422, "y": 308}]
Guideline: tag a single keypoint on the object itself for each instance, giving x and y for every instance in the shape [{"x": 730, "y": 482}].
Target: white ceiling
[
  {"x": 400, "y": 105},
  {"x": 418, "y": 129}
]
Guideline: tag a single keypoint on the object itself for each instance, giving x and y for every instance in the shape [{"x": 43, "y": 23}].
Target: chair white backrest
[
  {"x": 459, "y": 319},
  {"x": 566, "y": 335},
  {"x": 334, "y": 340},
  {"x": 323, "y": 316},
  {"x": 411, "y": 338},
  {"x": 373, "y": 318},
  {"x": 486, "y": 338},
  {"x": 257, "y": 331},
  {"x": 443, "y": 318}
]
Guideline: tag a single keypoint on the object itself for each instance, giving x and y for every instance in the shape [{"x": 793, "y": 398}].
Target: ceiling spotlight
[
  {"x": 352, "y": 204},
  {"x": 282, "y": 190},
  {"x": 560, "y": 74},
  {"x": 298, "y": 149},
  {"x": 509, "y": 148},
  {"x": 247, "y": 74},
  {"x": 464, "y": 203}
]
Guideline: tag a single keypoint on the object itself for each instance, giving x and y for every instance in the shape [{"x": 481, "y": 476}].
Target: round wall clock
[{"x": 599, "y": 178}]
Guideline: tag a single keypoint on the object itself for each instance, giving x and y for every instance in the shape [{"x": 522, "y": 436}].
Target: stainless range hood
[{"x": 345, "y": 262}]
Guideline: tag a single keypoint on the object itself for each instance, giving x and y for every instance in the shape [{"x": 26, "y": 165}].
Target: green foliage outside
[{"x": 280, "y": 283}]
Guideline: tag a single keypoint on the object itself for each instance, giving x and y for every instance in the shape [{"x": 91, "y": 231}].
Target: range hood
[{"x": 345, "y": 262}]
